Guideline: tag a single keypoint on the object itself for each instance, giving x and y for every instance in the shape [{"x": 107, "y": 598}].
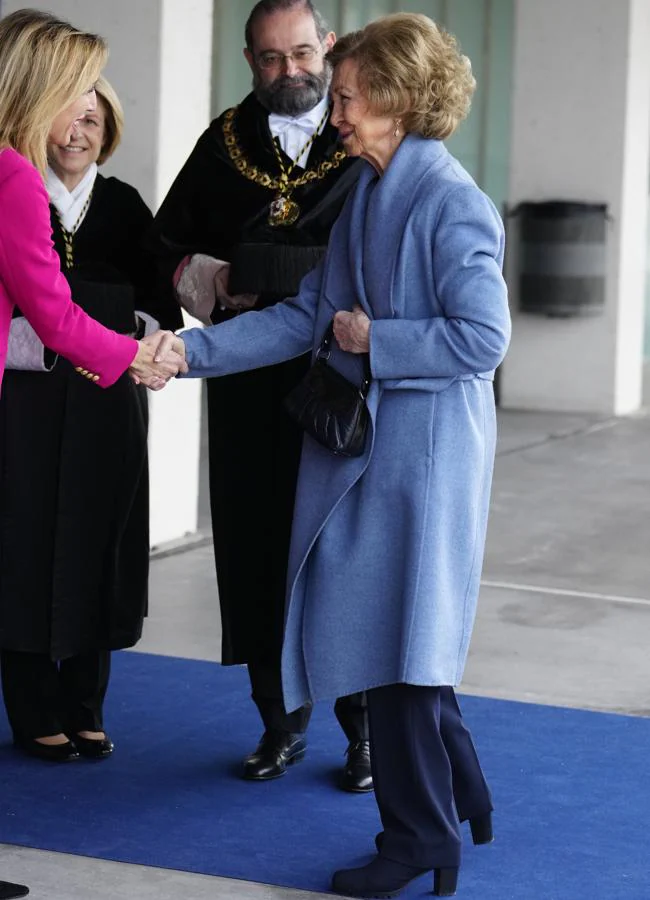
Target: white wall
[
  {"x": 580, "y": 132},
  {"x": 185, "y": 84},
  {"x": 160, "y": 64}
]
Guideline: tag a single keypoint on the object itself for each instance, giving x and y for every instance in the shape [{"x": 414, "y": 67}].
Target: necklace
[
  {"x": 69, "y": 235},
  {"x": 283, "y": 210}
]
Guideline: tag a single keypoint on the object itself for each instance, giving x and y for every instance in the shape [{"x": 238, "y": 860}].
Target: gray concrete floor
[{"x": 564, "y": 615}]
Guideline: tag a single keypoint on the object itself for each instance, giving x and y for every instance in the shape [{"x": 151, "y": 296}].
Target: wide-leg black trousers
[{"x": 44, "y": 697}]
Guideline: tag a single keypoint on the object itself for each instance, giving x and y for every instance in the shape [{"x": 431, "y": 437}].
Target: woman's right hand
[{"x": 160, "y": 356}]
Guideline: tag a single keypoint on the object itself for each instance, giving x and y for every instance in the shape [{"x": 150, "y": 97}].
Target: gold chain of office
[
  {"x": 283, "y": 210},
  {"x": 68, "y": 236}
]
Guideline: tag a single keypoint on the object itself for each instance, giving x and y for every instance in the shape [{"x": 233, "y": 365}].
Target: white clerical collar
[
  {"x": 71, "y": 206},
  {"x": 293, "y": 132}
]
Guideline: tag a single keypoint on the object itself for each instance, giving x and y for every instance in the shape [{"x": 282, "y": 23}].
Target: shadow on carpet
[{"x": 571, "y": 791}]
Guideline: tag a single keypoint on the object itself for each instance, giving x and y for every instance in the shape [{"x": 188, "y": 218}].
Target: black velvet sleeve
[
  {"x": 193, "y": 215},
  {"x": 139, "y": 263}
]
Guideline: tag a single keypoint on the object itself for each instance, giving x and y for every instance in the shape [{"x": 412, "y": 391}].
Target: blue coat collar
[{"x": 379, "y": 211}]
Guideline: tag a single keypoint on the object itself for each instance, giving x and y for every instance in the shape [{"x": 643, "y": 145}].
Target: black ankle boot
[
  {"x": 481, "y": 828},
  {"x": 383, "y": 878}
]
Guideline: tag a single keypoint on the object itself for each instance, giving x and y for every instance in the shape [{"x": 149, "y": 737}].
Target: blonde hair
[
  {"x": 45, "y": 65},
  {"x": 411, "y": 68},
  {"x": 113, "y": 118}
]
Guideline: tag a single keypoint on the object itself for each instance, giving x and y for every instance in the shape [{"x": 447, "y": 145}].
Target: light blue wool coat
[{"x": 387, "y": 548}]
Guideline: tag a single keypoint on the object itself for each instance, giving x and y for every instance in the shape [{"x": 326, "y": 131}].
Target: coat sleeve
[
  {"x": 257, "y": 338},
  {"x": 473, "y": 334},
  {"x": 32, "y": 276},
  {"x": 178, "y": 228},
  {"x": 139, "y": 262}
]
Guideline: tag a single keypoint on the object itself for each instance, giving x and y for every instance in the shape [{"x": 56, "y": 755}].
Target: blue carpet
[{"x": 572, "y": 792}]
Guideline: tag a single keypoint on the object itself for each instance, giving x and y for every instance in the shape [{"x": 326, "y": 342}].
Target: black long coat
[
  {"x": 254, "y": 447},
  {"x": 74, "y": 505}
]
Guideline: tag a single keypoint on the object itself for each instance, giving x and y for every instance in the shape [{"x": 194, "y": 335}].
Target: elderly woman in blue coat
[{"x": 387, "y": 547}]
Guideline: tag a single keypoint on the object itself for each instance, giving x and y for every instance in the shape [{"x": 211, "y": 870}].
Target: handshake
[{"x": 160, "y": 356}]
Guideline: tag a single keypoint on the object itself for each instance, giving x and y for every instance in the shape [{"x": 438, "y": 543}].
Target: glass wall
[{"x": 485, "y": 31}]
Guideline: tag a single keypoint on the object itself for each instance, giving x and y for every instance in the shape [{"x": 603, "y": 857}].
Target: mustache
[
  {"x": 285, "y": 81},
  {"x": 292, "y": 94}
]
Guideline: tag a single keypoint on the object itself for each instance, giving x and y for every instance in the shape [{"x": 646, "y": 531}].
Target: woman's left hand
[{"x": 352, "y": 330}]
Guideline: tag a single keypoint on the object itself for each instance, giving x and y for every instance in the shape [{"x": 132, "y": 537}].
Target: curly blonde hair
[{"x": 411, "y": 68}]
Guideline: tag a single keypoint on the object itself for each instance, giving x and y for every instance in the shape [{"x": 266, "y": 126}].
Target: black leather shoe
[
  {"x": 8, "y": 890},
  {"x": 93, "y": 749},
  {"x": 276, "y": 751},
  {"x": 387, "y": 878},
  {"x": 49, "y": 752},
  {"x": 357, "y": 775}
]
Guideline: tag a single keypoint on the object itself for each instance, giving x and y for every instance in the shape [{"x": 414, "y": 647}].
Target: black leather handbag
[{"x": 330, "y": 408}]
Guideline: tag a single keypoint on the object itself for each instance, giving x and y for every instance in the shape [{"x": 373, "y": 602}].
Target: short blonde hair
[
  {"x": 113, "y": 118},
  {"x": 45, "y": 65},
  {"x": 412, "y": 69}
]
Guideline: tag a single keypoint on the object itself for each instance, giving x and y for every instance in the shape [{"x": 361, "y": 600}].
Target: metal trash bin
[{"x": 562, "y": 257}]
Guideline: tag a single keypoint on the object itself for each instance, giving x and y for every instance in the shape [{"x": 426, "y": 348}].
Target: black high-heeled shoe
[
  {"x": 480, "y": 827},
  {"x": 94, "y": 749},
  {"x": 385, "y": 878},
  {"x": 49, "y": 752}
]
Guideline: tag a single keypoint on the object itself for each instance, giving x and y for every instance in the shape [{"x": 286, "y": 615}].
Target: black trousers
[
  {"x": 44, "y": 697},
  {"x": 426, "y": 773},
  {"x": 266, "y": 683}
]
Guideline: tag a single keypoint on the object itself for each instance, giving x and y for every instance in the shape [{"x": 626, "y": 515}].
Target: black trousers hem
[
  {"x": 45, "y": 697},
  {"x": 266, "y": 683}
]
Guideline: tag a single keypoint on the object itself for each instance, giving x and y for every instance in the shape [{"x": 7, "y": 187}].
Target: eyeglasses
[{"x": 272, "y": 60}]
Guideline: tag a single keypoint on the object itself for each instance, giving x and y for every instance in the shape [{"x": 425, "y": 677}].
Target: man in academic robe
[{"x": 247, "y": 217}]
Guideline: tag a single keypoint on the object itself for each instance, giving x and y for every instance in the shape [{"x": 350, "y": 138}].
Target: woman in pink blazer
[{"x": 47, "y": 74}]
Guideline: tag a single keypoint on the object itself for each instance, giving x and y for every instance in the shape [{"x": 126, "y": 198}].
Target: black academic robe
[
  {"x": 74, "y": 507},
  {"x": 254, "y": 447}
]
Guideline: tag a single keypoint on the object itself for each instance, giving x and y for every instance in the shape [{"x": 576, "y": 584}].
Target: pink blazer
[{"x": 31, "y": 279}]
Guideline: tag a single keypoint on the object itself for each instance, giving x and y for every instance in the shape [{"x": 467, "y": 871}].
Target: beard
[{"x": 292, "y": 95}]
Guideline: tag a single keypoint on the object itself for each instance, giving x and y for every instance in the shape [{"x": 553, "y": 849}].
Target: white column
[
  {"x": 581, "y": 105},
  {"x": 184, "y": 73},
  {"x": 160, "y": 64}
]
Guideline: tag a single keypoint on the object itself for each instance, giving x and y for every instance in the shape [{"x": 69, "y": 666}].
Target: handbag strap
[{"x": 325, "y": 350}]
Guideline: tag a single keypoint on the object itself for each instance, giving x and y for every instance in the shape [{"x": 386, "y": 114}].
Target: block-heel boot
[
  {"x": 445, "y": 882},
  {"x": 384, "y": 878},
  {"x": 481, "y": 828}
]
